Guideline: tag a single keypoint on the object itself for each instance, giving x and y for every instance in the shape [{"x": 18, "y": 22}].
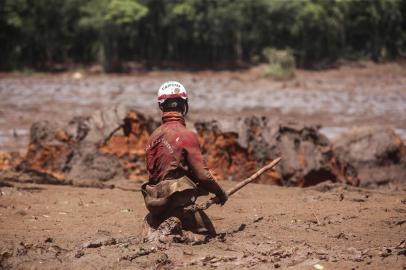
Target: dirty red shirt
[{"x": 173, "y": 151}]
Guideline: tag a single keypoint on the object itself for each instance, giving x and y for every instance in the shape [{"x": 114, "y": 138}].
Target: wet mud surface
[
  {"x": 261, "y": 227},
  {"x": 92, "y": 216},
  {"x": 336, "y": 99}
]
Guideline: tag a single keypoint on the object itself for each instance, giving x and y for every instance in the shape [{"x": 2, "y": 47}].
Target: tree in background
[
  {"x": 52, "y": 35},
  {"x": 374, "y": 28},
  {"x": 36, "y": 33},
  {"x": 111, "y": 19}
]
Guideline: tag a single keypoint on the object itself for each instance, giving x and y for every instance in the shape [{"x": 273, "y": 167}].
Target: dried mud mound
[
  {"x": 247, "y": 144},
  {"x": 109, "y": 145},
  {"x": 87, "y": 150},
  {"x": 377, "y": 153}
]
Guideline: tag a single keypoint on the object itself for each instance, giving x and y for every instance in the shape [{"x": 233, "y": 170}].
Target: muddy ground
[
  {"x": 328, "y": 226},
  {"x": 348, "y": 96},
  {"x": 262, "y": 227}
]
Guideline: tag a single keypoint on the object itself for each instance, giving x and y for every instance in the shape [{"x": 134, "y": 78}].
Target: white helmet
[{"x": 171, "y": 89}]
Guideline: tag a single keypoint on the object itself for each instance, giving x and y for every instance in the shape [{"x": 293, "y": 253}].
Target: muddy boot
[
  {"x": 170, "y": 230},
  {"x": 170, "y": 227},
  {"x": 204, "y": 224},
  {"x": 149, "y": 228},
  {"x": 198, "y": 223}
]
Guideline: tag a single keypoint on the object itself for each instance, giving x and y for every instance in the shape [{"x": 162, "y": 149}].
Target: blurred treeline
[{"x": 45, "y": 34}]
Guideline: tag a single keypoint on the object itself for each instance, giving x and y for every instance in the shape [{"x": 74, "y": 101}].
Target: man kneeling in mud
[{"x": 177, "y": 171}]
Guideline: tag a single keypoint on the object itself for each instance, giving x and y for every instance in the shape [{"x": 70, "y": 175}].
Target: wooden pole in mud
[{"x": 236, "y": 188}]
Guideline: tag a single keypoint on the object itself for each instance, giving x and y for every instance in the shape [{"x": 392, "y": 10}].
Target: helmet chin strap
[{"x": 186, "y": 109}]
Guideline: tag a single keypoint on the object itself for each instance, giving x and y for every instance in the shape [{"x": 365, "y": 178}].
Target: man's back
[
  {"x": 173, "y": 151},
  {"x": 165, "y": 150}
]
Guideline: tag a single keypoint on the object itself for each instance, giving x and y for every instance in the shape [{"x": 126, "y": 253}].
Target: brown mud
[
  {"x": 109, "y": 145},
  {"x": 261, "y": 227},
  {"x": 91, "y": 151},
  {"x": 86, "y": 137},
  {"x": 339, "y": 98}
]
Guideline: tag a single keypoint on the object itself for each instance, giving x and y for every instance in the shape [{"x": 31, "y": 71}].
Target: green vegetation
[
  {"x": 281, "y": 64},
  {"x": 48, "y": 34}
]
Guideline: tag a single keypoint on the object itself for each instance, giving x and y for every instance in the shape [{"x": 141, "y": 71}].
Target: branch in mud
[
  {"x": 140, "y": 253},
  {"x": 104, "y": 142}
]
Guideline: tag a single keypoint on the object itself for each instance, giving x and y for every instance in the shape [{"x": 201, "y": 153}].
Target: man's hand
[{"x": 222, "y": 198}]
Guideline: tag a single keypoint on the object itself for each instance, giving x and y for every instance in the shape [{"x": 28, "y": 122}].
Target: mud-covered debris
[
  {"x": 87, "y": 163},
  {"x": 399, "y": 249},
  {"x": 100, "y": 242},
  {"x": 401, "y": 245},
  {"x": 378, "y": 154},
  {"x": 225, "y": 155},
  {"x": 258, "y": 219},
  {"x": 162, "y": 260},
  {"x": 9, "y": 160},
  {"x": 4, "y": 256},
  {"x": 400, "y": 222},
  {"x": 202, "y": 260},
  {"x": 195, "y": 239},
  {"x": 128, "y": 145},
  {"x": 358, "y": 199},
  {"x": 141, "y": 252},
  {"x": 341, "y": 235},
  {"x": 39, "y": 251},
  {"x": 385, "y": 252},
  {"x": 22, "y": 249},
  {"x": 109, "y": 145},
  {"x": 308, "y": 156},
  {"x": 78, "y": 152},
  {"x": 31, "y": 176},
  {"x": 79, "y": 253},
  {"x": 240, "y": 228},
  {"x": 322, "y": 254},
  {"x": 395, "y": 221},
  {"x": 213, "y": 260},
  {"x": 170, "y": 231},
  {"x": 357, "y": 255},
  {"x": 402, "y": 252},
  {"x": 49, "y": 240},
  {"x": 326, "y": 186},
  {"x": 400, "y": 210},
  {"x": 5, "y": 184}
]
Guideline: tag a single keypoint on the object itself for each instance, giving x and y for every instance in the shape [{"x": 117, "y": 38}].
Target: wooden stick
[
  {"x": 104, "y": 142},
  {"x": 253, "y": 177},
  {"x": 239, "y": 186}
]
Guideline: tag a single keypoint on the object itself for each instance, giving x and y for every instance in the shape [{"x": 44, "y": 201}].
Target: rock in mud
[{"x": 378, "y": 154}]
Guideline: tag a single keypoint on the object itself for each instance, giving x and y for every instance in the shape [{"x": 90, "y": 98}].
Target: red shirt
[{"x": 173, "y": 151}]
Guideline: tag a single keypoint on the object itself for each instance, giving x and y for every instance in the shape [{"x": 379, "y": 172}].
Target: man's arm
[{"x": 198, "y": 167}]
